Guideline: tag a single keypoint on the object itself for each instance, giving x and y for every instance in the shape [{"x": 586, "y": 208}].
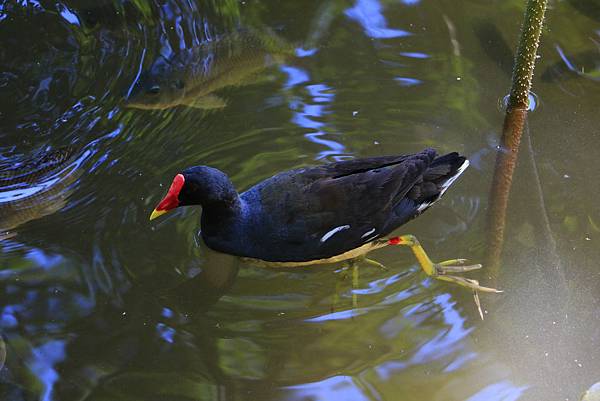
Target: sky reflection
[
  {"x": 502, "y": 391},
  {"x": 342, "y": 388},
  {"x": 445, "y": 342},
  {"x": 368, "y": 13},
  {"x": 408, "y": 81},
  {"x": 309, "y": 115},
  {"x": 42, "y": 364}
]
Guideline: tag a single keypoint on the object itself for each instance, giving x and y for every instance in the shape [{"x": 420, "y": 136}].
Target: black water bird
[{"x": 322, "y": 214}]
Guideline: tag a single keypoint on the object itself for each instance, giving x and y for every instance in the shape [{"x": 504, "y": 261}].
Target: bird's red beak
[{"x": 171, "y": 199}]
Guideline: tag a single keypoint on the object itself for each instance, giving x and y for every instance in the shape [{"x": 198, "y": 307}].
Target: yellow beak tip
[{"x": 157, "y": 213}]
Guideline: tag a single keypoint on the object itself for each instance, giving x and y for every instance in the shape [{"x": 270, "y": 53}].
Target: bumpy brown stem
[
  {"x": 514, "y": 122},
  {"x": 506, "y": 162},
  {"x": 526, "y": 53}
]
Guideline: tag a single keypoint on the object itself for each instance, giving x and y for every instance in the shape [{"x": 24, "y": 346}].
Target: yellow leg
[
  {"x": 440, "y": 270},
  {"x": 336, "y": 297},
  {"x": 355, "y": 278},
  {"x": 352, "y": 266}
]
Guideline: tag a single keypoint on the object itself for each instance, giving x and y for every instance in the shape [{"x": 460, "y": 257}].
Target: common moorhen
[{"x": 322, "y": 214}]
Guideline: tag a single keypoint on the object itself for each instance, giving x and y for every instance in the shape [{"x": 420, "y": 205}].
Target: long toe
[
  {"x": 467, "y": 282},
  {"x": 456, "y": 266},
  {"x": 453, "y": 262}
]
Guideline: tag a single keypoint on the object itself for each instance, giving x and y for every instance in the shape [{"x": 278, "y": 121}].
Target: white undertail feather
[
  {"x": 460, "y": 170},
  {"x": 424, "y": 206},
  {"x": 445, "y": 186}
]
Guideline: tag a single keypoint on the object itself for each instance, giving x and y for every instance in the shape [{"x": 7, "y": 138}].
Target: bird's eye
[
  {"x": 178, "y": 84},
  {"x": 155, "y": 89}
]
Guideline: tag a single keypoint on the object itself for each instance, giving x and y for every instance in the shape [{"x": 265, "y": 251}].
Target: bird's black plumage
[{"x": 318, "y": 212}]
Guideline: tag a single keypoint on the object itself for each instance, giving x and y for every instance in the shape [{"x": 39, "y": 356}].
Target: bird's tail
[
  {"x": 444, "y": 170},
  {"x": 441, "y": 173}
]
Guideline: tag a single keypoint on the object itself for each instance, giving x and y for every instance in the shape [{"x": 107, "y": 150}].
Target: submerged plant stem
[{"x": 514, "y": 122}]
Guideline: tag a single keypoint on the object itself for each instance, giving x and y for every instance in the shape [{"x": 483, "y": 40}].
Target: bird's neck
[{"x": 219, "y": 217}]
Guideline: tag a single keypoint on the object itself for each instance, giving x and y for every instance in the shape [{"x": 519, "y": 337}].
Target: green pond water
[{"x": 98, "y": 303}]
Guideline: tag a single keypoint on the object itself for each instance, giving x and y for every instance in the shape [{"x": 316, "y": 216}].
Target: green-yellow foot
[{"x": 440, "y": 270}]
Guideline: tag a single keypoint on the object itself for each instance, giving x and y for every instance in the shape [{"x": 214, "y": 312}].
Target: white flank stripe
[
  {"x": 368, "y": 233},
  {"x": 370, "y": 238},
  {"x": 331, "y": 233}
]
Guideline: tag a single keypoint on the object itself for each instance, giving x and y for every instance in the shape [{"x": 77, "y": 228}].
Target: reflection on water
[
  {"x": 96, "y": 303},
  {"x": 34, "y": 189},
  {"x": 585, "y": 65},
  {"x": 369, "y": 14},
  {"x": 191, "y": 76}
]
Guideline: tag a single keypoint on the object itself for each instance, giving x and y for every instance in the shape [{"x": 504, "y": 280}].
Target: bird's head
[{"x": 200, "y": 185}]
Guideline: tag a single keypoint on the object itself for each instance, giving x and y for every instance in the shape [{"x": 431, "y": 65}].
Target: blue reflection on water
[
  {"x": 8, "y": 318},
  {"x": 341, "y": 388},
  {"x": 308, "y": 110},
  {"x": 444, "y": 342},
  {"x": 415, "y": 54},
  {"x": 306, "y": 114},
  {"x": 295, "y": 76},
  {"x": 26, "y": 192},
  {"x": 565, "y": 59},
  {"x": 336, "y": 149},
  {"x": 387, "y": 369},
  {"x": 460, "y": 361},
  {"x": 139, "y": 70},
  {"x": 368, "y": 14},
  {"x": 377, "y": 286},
  {"x": 501, "y": 391},
  {"x": 44, "y": 260},
  {"x": 44, "y": 358},
  {"x": 67, "y": 14},
  {"x": 165, "y": 332},
  {"x": 341, "y": 315},
  {"x": 320, "y": 93},
  {"x": 167, "y": 12},
  {"x": 408, "y": 81},
  {"x": 301, "y": 52}
]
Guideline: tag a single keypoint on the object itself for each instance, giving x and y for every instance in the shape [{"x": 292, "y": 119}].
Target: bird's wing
[{"x": 339, "y": 206}]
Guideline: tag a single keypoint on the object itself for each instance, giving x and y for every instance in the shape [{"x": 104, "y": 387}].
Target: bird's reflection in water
[
  {"x": 148, "y": 335},
  {"x": 209, "y": 279}
]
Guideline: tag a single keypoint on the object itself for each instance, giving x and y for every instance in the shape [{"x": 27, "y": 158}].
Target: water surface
[{"x": 97, "y": 303}]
